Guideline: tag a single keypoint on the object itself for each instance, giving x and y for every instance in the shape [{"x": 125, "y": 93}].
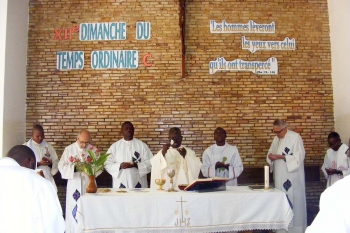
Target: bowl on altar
[
  {"x": 160, "y": 183},
  {"x": 182, "y": 186}
]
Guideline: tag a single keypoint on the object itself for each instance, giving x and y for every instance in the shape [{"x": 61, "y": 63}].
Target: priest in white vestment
[
  {"x": 334, "y": 214},
  {"x": 336, "y": 161},
  {"x": 45, "y": 154},
  {"x": 28, "y": 202},
  {"x": 129, "y": 161},
  {"x": 175, "y": 156},
  {"x": 286, "y": 158},
  {"x": 77, "y": 181},
  {"x": 222, "y": 159}
]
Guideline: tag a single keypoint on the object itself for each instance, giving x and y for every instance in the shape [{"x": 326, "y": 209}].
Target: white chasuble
[
  {"x": 41, "y": 150},
  {"x": 227, "y": 154},
  {"x": 28, "y": 202},
  {"x": 289, "y": 176},
  {"x": 186, "y": 169},
  {"x": 77, "y": 182},
  {"x": 129, "y": 151},
  {"x": 336, "y": 160},
  {"x": 334, "y": 209}
]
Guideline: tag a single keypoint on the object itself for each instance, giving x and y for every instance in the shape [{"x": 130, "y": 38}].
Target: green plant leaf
[
  {"x": 96, "y": 164},
  {"x": 102, "y": 159},
  {"x": 92, "y": 155}
]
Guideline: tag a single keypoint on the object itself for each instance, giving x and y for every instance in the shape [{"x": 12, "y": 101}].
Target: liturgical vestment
[
  {"x": 134, "y": 151},
  {"x": 186, "y": 169},
  {"x": 28, "y": 202},
  {"x": 336, "y": 160},
  {"x": 334, "y": 209},
  {"x": 289, "y": 176},
  {"x": 77, "y": 182},
  {"x": 44, "y": 149},
  {"x": 227, "y": 154}
]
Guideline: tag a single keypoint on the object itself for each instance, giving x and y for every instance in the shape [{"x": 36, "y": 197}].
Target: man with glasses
[
  {"x": 286, "y": 158},
  {"x": 336, "y": 162},
  {"x": 175, "y": 156},
  {"x": 76, "y": 180}
]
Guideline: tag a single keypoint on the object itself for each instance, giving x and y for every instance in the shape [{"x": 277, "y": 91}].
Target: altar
[{"x": 146, "y": 210}]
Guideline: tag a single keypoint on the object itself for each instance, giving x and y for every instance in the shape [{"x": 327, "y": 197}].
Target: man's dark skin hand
[
  {"x": 45, "y": 162},
  {"x": 126, "y": 165},
  {"x": 221, "y": 165},
  {"x": 331, "y": 171}
]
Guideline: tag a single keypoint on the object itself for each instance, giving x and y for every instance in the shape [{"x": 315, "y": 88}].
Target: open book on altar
[{"x": 208, "y": 185}]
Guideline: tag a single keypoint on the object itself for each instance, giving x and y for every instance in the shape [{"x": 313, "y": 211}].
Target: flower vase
[{"x": 92, "y": 186}]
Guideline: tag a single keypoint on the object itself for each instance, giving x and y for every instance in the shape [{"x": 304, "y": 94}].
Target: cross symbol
[{"x": 182, "y": 214}]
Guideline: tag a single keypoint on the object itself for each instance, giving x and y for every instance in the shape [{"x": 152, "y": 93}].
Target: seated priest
[
  {"x": 334, "y": 209},
  {"x": 28, "y": 202},
  {"x": 129, "y": 161},
  {"x": 222, "y": 159},
  {"x": 178, "y": 157}
]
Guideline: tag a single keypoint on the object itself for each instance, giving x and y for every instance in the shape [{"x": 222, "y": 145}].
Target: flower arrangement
[{"x": 92, "y": 164}]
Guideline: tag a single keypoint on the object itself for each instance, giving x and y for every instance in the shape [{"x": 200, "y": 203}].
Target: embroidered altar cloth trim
[{"x": 147, "y": 210}]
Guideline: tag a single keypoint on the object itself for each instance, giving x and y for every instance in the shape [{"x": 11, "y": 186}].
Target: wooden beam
[{"x": 182, "y": 25}]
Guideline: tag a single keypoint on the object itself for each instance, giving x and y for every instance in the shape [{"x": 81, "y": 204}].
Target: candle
[{"x": 267, "y": 182}]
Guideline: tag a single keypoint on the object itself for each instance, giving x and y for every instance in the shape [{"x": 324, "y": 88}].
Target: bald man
[
  {"x": 28, "y": 202},
  {"x": 77, "y": 181}
]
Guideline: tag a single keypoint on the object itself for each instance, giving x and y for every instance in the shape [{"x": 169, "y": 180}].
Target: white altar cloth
[{"x": 146, "y": 210}]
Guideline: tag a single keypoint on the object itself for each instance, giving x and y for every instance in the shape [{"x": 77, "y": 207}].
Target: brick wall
[
  {"x": 61, "y": 193},
  {"x": 156, "y": 98}
]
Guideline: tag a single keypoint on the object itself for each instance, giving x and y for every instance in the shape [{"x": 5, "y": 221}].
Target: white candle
[{"x": 267, "y": 182}]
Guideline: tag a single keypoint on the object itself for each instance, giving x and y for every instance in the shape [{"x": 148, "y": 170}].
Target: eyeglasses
[
  {"x": 277, "y": 132},
  {"x": 83, "y": 143}
]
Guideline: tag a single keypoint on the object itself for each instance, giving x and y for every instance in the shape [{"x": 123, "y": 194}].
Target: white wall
[
  {"x": 339, "y": 19},
  {"x": 3, "y": 16},
  {"x": 13, "y": 61}
]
